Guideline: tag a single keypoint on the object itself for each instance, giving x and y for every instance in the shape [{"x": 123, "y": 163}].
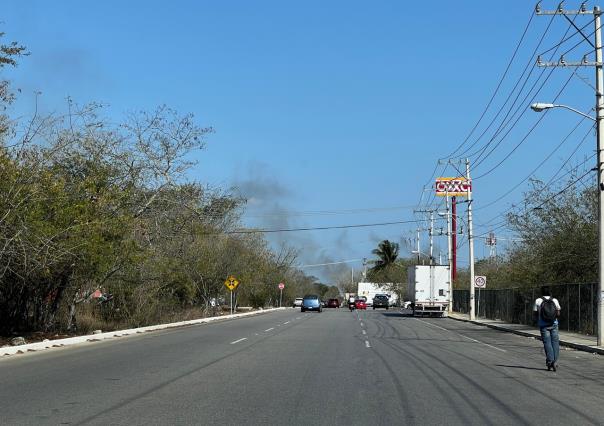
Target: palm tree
[{"x": 387, "y": 252}]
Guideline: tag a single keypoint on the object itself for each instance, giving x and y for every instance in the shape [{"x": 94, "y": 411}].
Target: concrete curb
[
  {"x": 111, "y": 335},
  {"x": 577, "y": 346}
]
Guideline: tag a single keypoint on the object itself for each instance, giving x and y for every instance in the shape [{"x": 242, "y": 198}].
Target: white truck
[
  {"x": 369, "y": 290},
  {"x": 428, "y": 289}
]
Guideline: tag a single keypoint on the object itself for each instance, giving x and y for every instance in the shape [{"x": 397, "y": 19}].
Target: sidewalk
[{"x": 577, "y": 341}]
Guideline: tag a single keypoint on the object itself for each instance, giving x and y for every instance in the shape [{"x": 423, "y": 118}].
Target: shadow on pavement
[{"x": 520, "y": 366}]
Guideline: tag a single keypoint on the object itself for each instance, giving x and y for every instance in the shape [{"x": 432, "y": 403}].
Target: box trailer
[
  {"x": 369, "y": 290},
  {"x": 428, "y": 289}
]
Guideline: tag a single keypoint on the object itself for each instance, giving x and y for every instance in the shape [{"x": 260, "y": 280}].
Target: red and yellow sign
[{"x": 453, "y": 187}]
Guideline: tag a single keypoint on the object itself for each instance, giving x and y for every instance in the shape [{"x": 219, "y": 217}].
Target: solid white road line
[
  {"x": 466, "y": 337},
  {"x": 429, "y": 323},
  {"x": 482, "y": 343},
  {"x": 272, "y": 328},
  {"x": 240, "y": 340}
]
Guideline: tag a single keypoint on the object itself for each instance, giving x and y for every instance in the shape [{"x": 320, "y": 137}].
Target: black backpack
[{"x": 548, "y": 310}]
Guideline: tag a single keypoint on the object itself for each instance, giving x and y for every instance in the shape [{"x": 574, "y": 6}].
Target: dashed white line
[
  {"x": 240, "y": 340},
  {"x": 269, "y": 329},
  {"x": 367, "y": 345},
  {"x": 286, "y": 322},
  {"x": 361, "y": 324},
  {"x": 364, "y": 332}
]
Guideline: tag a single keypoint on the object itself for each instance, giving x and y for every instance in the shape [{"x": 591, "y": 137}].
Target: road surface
[{"x": 287, "y": 367}]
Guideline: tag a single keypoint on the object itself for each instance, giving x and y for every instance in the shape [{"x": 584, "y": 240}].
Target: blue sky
[{"x": 325, "y": 113}]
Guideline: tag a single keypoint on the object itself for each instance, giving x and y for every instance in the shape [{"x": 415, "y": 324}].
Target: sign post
[
  {"x": 480, "y": 281},
  {"x": 231, "y": 283},
  {"x": 281, "y": 287}
]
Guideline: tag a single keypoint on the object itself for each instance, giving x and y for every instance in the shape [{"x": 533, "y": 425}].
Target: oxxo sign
[{"x": 453, "y": 187}]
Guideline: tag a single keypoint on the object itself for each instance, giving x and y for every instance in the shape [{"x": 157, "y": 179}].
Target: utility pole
[
  {"x": 597, "y": 13},
  {"x": 470, "y": 241},
  {"x": 431, "y": 237},
  {"x": 417, "y": 241},
  {"x": 449, "y": 244},
  {"x": 431, "y": 234},
  {"x": 453, "y": 238}
]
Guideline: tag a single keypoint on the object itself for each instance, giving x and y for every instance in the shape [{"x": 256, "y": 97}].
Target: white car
[{"x": 297, "y": 302}]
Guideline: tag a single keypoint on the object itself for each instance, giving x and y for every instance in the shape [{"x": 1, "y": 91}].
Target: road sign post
[
  {"x": 480, "y": 281},
  {"x": 231, "y": 283},
  {"x": 281, "y": 287}
]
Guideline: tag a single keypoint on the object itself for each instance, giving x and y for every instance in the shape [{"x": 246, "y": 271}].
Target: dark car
[
  {"x": 311, "y": 302},
  {"x": 381, "y": 301},
  {"x": 333, "y": 303}
]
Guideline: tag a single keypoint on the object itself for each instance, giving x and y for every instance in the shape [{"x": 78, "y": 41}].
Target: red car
[{"x": 360, "y": 304}]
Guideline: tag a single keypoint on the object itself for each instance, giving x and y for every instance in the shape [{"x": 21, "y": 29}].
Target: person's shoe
[
  {"x": 549, "y": 365},
  {"x": 553, "y": 365}
]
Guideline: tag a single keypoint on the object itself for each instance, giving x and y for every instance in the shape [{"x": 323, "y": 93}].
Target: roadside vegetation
[{"x": 101, "y": 228}]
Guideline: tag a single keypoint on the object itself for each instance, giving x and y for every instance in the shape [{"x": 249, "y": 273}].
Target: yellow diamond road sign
[{"x": 231, "y": 283}]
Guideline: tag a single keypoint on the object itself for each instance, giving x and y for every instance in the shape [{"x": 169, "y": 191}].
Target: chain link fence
[{"x": 515, "y": 305}]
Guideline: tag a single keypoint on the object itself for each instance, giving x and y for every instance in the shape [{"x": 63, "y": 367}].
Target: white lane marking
[
  {"x": 367, "y": 345},
  {"x": 482, "y": 343},
  {"x": 466, "y": 337},
  {"x": 286, "y": 322},
  {"x": 240, "y": 340},
  {"x": 364, "y": 332},
  {"x": 298, "y": 317},
  {"x": 361, "y": 324},
  {"x": 269, "y": 329},
  {"x": 433, "y": 325}
]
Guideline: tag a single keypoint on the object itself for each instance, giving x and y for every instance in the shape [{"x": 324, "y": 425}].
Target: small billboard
[{"x": 453, "y": 187}]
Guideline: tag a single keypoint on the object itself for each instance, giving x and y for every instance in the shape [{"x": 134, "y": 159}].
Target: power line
[
  {"x": 496, "y": 88},
  {"x": 496, "y": 166},
  {"x": 320, "y": 228},
  {"x": 503, "y": 122},
  {"x": 540, "y": 164}
]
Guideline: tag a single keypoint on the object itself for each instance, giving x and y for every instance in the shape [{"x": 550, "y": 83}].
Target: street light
[{"x": 539, "y": 107}]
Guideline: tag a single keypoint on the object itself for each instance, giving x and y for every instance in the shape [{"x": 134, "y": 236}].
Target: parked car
[
  {"x": 333, "y": 303},
  {"x": 311, "y": 302},
  {"x": 297, "y": 302},
  {"x": 380, "y": 301},
  {"x": 360, "y": 304}
]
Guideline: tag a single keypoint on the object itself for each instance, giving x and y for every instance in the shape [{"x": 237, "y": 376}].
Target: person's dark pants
[{"x": 551, "y": 343}]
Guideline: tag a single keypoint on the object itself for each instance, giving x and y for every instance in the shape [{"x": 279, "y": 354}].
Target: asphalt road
[{"x": 286, "y": 367}]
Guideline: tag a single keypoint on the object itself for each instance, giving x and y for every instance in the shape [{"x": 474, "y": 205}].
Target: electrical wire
[
  {"x": 319, "y": 228},
  {"x": 540, "y": 164},
  {"x": 496, "y": 88}
]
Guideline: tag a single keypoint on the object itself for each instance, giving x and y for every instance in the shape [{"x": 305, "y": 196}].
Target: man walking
[{"x": 547, "y": 311}]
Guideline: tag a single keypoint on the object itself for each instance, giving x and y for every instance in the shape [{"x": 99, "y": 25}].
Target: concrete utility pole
[
  {"x": 417, "y": 241},
  {"x": 431, "y": 234},
  {"x": 470, "y": 242},
  {"x": 597, "y": 13}
]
